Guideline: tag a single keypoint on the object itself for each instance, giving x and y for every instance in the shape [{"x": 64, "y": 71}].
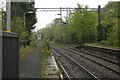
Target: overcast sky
[
  {"x": 47, "y": 17},
  {"x": 44, "y": 18}
]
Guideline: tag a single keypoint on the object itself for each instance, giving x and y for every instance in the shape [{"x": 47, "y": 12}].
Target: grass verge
[
  {"x": 43, "y": 68},
  {"x": 45, "y": 53},
  {"x": 25, "y": 50}
]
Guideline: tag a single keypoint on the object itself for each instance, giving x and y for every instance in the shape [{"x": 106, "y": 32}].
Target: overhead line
[
  {"x": 66, "y": 8},
  {"x": 63, "y": 9}
]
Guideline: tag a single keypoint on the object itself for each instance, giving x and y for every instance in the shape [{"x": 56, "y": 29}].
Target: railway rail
[
  {"x": 64, "y": 71},
  {"x": 83, "y": 71},
  {"x": 105, "y": 63},
  {"x": 109, "y": 67},
  {"x": 103, "y": 49},
  {"x": 98, "y": 56},
  {"x": 112, "y": 54}
]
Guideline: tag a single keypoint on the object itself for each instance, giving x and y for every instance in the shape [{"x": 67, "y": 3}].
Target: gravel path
[{"x": 30, "y": 66}]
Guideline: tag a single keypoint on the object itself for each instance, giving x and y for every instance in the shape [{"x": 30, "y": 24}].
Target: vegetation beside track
[
  {"x": 45, "y": 53},
  {"x": 82, "y": 27},
  {"x": 63, "y": 45},
  {"x": 43, "y": 66},
  {"x": 89, "y": 44},
  {"x": 26, "y": 49}
]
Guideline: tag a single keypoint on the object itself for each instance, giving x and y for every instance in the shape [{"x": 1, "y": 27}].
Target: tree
[
  {"x": 81, "y": 28},
  {"x": 84, "y": 25},
  {"x": 30, "y": 20},
  {"x": 21, "y": 10},
  {"x": 112, "y": 38},
  {"x": 110, "y": 23},
  {"x": 19, "y": 28},
  {"x": 54, "y": 31}
]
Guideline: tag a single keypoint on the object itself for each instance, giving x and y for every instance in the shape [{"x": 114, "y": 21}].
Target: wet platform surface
[{"x": 30, "y": 67}]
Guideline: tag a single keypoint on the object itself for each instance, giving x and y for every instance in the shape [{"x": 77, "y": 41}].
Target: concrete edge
[{"x": 52, "y": 69}]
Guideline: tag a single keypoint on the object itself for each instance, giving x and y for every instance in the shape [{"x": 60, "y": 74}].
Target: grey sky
[{"x": 47, "y": 17}]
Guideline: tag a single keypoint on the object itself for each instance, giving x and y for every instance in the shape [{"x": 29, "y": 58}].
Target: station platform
[{"x": 52, "y": 70}]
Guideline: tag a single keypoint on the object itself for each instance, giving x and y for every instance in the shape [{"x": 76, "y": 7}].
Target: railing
[{"x": 9, "y": 55}]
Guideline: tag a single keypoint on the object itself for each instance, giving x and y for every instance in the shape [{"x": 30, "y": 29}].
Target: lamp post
[
  {"x": 8, "y": 12},
  {"x": 0, "y": 22}
]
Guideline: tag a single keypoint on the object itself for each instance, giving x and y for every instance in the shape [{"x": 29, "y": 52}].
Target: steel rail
[
  {"x": 66, "y": 73},
  {"x": 98, "y": 63},
  {"x": 94, "y": 76},
  {"x": 61, "y": 66},
  {"x": 112, "y": 61}
]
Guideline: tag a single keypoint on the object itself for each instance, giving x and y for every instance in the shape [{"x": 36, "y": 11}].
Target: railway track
[
  {"x": 100, "y": 61},
  {"x": 111, "y": 68},
  {"x": 63, "y": 70},
  {"x": 92, "y": 63},
  {"x": 95, "y": 55},
  {"x": 103, "y": 49},
  {"x": 111, "y": 54},
  {"x": 66, "y": 74},
  {"x": 80, "y": 69}
]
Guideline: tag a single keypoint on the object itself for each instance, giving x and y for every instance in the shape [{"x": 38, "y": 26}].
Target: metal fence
[{"x": 9, "y": 55}]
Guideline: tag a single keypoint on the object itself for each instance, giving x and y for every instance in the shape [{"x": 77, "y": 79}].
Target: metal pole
[
  {"x": 67, "y": 15},
  {"x": 24, "y": 20},
  {"x": 61, "y": 14},
  {"x": 25, "y": 42},
  {"x": 8, "y": 13},
  {"x": 2, "y": 17},
  {"x": 69, "y": 12},
  {"x": 99, "y": 23}
]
